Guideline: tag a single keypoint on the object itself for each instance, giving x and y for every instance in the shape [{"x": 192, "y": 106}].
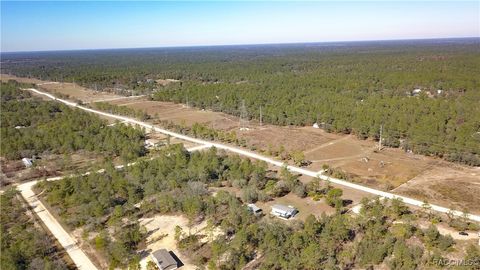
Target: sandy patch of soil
[
  {"x": 161, "y": 234},
  {"x": 305, "y": 206},
  {"x": 452, "y": 186}
]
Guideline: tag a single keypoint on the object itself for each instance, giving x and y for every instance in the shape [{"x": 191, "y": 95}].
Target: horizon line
[{"x": 243, "y": 44}]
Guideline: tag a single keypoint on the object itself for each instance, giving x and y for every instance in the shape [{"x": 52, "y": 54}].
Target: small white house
[
  {"x": 283, "y": 211},
  {"x": 28, "y": 162},
  {"x": 257, "y": 211},
  {"x": 315, "y": 125},
  {"x": 416, "y": 92}
]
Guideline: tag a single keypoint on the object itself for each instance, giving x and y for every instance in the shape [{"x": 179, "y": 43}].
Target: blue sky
[{"x": 31, "y": 26}]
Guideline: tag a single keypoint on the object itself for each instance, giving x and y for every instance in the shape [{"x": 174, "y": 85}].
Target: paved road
[
  {"x": 80, "y": 259},
  {"x": 249, "y": 154}
]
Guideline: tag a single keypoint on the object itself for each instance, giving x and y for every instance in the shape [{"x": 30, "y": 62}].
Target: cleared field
[
  {"x": 179, "y": 113},
  {"x": 77, "y": 92},
  {"x": 292, "y": 138},
  {"x": 7, "y": 77},
  {"x": 161, "y": 234},
  {"x": 74, "y": 91},
  {"x": 305, "y": 206},
  {"x": 453, "y": 186},
  {"x": 386, "y": 169}
]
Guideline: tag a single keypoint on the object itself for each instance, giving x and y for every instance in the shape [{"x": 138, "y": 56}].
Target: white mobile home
[{"x": 283, "y": 211}]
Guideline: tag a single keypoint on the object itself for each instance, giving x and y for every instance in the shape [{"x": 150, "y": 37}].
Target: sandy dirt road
[
  {"x": 246, "y": 153},
  {"x": 80, "y": 259}
]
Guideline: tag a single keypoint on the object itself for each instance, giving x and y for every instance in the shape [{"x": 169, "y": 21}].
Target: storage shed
[{"x": 257, "y": 211}]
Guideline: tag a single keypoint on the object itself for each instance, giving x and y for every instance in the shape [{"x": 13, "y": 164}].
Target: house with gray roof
[{"x": 164, "y": 260}]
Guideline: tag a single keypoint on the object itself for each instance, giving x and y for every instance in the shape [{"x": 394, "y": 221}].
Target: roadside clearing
[{"x": 249, "y": 154}]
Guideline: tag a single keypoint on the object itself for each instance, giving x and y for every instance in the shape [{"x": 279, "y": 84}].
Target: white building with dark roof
[{"x": 257, "y": 211}]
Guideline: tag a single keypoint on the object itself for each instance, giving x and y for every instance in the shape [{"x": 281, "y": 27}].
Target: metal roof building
[
  {"x": 164, "y": 260},
  {"x": 283, "y": 211}
]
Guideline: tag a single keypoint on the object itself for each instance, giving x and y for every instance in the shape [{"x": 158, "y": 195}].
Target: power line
[{"x": 380, "y": 139}]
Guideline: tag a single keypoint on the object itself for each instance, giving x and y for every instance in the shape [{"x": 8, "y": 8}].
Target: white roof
[
  {"x": 253, "y": 207},
  {"x": 27, "y": 161},
  {"x": 283, "y": 208}
]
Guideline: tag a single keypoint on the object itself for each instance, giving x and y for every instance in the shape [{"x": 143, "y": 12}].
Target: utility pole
[
  {"x": 187, "y": 102},
  {"x": 261, "y": 116},
  {"x": 380, "y": 139}
]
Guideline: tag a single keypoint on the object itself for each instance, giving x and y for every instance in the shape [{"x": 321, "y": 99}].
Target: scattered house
[
  {"x": 439, "y": 92},
  {"x": 257, "y": 211},
  {"x": 152, "y": 143},
  {"x": 164, "y": 260},
  {"x": 356, "y": 209},
  {"x": 315, "y": 125},
  {"x": 416, "y": 92},
  {"x": 19, "y": 127},
  {"x": 28, "y": 162},
  {"x": 283, "y": 211}
]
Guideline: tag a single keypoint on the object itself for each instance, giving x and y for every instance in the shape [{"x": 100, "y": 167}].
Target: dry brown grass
[{"x": 386, "y": 169}]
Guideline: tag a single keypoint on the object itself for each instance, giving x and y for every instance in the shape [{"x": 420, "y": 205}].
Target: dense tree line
[
  {"x": 24, "y": 245},
  {"x": 350, "y": 88},
  {"x": 357, "y": 66},
  {"x": 443, "y": 126},
  {"x": 177, "y": 183},
  {"x": 32, "y": 126}
]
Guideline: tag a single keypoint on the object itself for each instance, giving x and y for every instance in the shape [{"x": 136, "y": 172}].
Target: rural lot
[
  {"x": 387, "y": 169},
  {"x": 418, "y": 176},
  {"x": 239, "y": 135}
]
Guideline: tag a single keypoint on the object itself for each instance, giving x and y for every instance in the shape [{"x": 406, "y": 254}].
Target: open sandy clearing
[
  {"x": 74, "y": 91},
  {"x": 178, "y": 113},
  {"x": 453, "y": 186},
  {"x": 305, "y": 206},
  {"x": 161, "y": 234}
]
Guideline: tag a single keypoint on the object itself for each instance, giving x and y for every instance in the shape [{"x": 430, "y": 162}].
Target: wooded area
[
  {"x": 31, "y": 126},
  {"x": 345, "y": 87},
  {"x": 25, "y": 245},
  {"x": 177, "y": 182}
]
